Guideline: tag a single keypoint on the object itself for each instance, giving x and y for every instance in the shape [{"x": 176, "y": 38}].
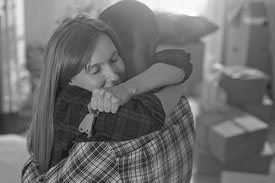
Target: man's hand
[{"x": 109, "y": 99}]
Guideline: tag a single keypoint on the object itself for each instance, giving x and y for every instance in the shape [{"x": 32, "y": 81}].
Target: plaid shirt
[
  {"x": 161, "y": 156},
  {"x": 140, "y": 116}
]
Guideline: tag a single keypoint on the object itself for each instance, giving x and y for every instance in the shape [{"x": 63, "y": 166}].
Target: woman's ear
[
  {"x": 75, "y": 80},
  {"x": 71, "y": 82}
]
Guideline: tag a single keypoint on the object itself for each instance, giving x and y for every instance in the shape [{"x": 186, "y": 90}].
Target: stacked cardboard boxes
[
  {"x": 231, "y": 141},
  {"x": 243, "y": 85},
  {"x": 236, "y": 139},
  {"x": 263, "y": 111},
  {"x": 246, "y": 88},
  {"x": 236, "y": 146},
  {"x": 249, "y": 44}
]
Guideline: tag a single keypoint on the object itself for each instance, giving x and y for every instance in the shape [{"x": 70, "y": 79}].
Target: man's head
[{"x": 137, "y": 28}]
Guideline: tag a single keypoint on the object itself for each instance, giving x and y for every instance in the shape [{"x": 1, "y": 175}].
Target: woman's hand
[
  {"x": 103, "y": 100},
  {"x": 109, "y": 99}
]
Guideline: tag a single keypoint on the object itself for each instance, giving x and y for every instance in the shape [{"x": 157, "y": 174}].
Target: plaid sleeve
[
  {"x": 176, "y": 57},
  {"x": 141, "y": 115}
]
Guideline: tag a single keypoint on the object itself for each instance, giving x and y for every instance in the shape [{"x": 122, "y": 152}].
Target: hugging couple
[{"x": 108, "y": 107}]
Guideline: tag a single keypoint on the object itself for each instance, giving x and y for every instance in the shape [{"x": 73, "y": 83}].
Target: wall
[
  {"x": 218, "y": 12},
  {"x": 41, "y": 16},
  {"x": 38, "y": 20}
]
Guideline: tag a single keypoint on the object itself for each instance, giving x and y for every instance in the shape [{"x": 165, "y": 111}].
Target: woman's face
[{"x": 106, "y": 68}]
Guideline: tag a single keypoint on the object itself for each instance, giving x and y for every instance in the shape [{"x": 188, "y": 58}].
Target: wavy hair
[{"x": 68, "y": 51}]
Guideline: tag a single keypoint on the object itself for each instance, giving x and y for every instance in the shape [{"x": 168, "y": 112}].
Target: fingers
[
  {"x": 89, "y": 108},
  {"x": 111, "y": 103},
  {"x": 100, "y": 100},
  {"x": 115, "y": 105},
  {"x": 104, "y": 101},
  {"x": 107, "y": 102},
  {"x": 93, "y": 103}
]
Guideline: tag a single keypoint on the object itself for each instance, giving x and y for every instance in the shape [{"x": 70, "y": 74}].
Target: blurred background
[{"x": 231, "y": 89}]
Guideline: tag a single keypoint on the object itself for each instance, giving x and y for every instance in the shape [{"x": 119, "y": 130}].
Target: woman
[{"x": 81, "y": 56}]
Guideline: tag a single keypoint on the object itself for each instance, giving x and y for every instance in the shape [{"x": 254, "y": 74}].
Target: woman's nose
[{"x": 111, "y": 74}]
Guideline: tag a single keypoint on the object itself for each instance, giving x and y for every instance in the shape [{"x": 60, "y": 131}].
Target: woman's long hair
[{"x": 68, "y": 51}]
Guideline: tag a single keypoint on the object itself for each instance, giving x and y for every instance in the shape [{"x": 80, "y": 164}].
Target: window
[{"x": 188, "y": 7}]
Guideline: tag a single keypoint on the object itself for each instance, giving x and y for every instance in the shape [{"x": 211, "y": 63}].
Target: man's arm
[
  {"x": 156, "y": 76},
  {"x": 171, "y": 66},
  {"x": 170, "y": 96},
  {"x": 109, "y": 99}
]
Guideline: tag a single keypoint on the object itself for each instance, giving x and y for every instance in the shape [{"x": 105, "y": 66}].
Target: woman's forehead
[{"x": 104, "y": 50}]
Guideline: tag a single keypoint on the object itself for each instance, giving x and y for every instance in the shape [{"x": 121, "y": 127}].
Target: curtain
[
  {"x": 13, "y": 76},
  {"x": 214, "y": 49}
]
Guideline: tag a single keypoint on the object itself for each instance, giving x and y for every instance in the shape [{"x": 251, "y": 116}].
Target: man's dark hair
[{"x": 138, "y": 30}]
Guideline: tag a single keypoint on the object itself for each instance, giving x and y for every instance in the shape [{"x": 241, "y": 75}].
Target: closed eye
[
  {"x": 114, "y": 57},
  {"x": 113, "y": 60},
  {"x": 93, "y": 69}
]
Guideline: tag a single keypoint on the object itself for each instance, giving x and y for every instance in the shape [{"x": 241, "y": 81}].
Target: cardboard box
[
  {"x": 206, "y": 119},
  {"x": 206, "y": 163},
  {"x": 203, "y": 123},
  {"x": 243, "y": 85},
  {"x": 237, "y": 138},
  {"x": 236, "y": 177},
  {"x": 262, "y": 111},
  {"x": 259, "y": 164}
]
